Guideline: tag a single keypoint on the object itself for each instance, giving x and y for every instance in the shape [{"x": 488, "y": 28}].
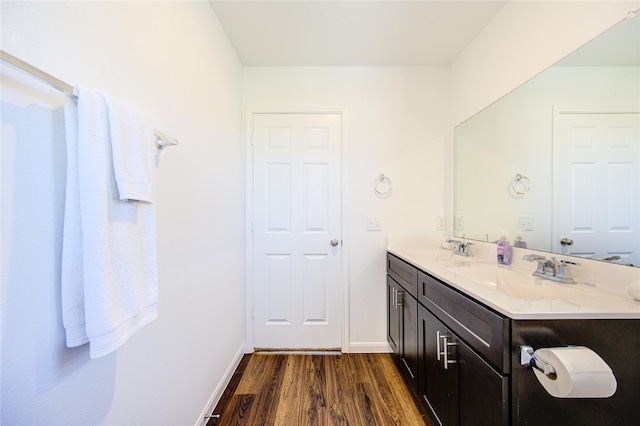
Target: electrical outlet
[
  {"x": 525, "y": 223},
  {"x": 441, "y": 223},
  {"x": 458, "y": 223},
  {"x": 374, "y": 223}
]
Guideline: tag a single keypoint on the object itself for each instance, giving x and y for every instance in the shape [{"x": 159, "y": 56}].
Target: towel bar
[{"x": 162, "y": 140}]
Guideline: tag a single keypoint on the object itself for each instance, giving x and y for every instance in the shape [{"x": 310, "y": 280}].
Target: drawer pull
[
  {"x": 438, "y": 351},
  {"x": 446, "y": 361}
]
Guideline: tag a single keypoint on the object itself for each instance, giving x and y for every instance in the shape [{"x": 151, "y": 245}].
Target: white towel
[
  {"x": 111, "y": 280},
  {"x": 72, "y": 279},
  {"x": 132, "y": 148}
]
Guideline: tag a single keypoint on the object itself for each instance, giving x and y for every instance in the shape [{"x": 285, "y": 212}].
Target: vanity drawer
[
  {"x": 484, "y": 330},
  {"x": 404, "y": 273}
]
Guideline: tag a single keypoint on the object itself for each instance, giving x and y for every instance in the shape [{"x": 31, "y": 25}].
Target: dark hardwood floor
[{"x": 294, "y": 389}]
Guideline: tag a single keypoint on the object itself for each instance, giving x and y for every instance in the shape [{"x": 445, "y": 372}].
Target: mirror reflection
[{"x": 555, "y": 164}]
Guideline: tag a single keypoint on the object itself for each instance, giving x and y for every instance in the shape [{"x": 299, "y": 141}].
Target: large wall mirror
[{"x": 557, "y": 161}]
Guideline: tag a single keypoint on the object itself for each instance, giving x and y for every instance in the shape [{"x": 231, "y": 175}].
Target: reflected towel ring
[
  {"x": 382, "y": 186},
  {"x": 521, "y": 184}
]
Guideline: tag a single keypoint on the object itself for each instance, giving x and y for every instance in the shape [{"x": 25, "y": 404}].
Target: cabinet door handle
[
  {"x": 395, "y": 298},
  {"x": 438, "y": 350},
  {"x": 398, "y": 302},
  {"x": 446, "y": 361}
]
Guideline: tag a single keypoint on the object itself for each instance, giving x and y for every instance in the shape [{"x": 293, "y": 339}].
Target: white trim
[
  {"x": 222, "y": 385},
  {"x": 370, "y": 347},
  {"x": 248, "y": 164},
  {"x": 248, "y": 245},
  {"x": 448, "y": 198},
  {"x": 345, "y": 233}
]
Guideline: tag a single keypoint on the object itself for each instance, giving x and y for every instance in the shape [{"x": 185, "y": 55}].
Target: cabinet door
[
  {"x": 393, "y": 316},
  {"x": 409, "y": 331},
  {"x": 482, "y": 392},
  {"x": 437, "y": 385}
]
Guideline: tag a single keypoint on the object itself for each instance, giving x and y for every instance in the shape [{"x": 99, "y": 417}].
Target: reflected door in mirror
[{"x": 597, "y": 190}]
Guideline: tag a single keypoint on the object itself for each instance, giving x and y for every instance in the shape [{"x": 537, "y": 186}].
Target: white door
[
  {"x": 297, "y": 228},
  {"x": 597, "y": 174}
]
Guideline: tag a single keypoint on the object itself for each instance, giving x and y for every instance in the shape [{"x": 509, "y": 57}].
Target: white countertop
[{"x": 513, "y": 291}]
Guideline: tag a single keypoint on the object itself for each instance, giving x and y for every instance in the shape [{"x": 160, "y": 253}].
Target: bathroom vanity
[{"x": 456, "y": 325}]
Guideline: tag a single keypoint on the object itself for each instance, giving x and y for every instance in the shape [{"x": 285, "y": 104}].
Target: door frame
[
  {"x": 557, "y": 111},
  {"x": 248, "y": 209}
]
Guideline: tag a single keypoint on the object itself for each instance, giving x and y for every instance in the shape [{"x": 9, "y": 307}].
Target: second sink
[{"x": 514, "y": 283}]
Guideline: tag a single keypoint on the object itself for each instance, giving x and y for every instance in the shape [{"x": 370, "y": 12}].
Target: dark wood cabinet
[
  {"x": 436, "y": 384},
  {"x": 615, "y": 340},
  {"x": 402, "y": 317},
  {"x": 483, "y": 329},
  {"x": 452, "y": 351},
  {"x": 409, "y": 351},
  {"x": 456, "y": 384},
  {"x": 393, "y": 315},
  {"x": 483, "y": 393},
  {"x": 404, "y": 274},
  {"x": 467, "y": 368}
]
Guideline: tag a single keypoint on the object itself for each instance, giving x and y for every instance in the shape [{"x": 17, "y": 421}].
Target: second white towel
[{"x": 132, "y": 149}]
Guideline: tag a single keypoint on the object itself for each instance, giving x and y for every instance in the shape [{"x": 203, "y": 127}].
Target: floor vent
[{"x": 297, "y": 352}]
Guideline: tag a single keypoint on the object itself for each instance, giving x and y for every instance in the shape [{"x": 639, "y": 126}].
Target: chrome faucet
[
  {"x": 552, "y": 269},
  {"x": 463, "y": 248}
]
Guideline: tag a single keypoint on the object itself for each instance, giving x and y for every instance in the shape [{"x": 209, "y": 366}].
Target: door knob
[
  {"x": 334, "y": 242},
  {"x": 566, "y": 241}
]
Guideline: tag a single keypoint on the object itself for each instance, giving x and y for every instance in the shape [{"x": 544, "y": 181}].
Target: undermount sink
[
  {"x": 441, "y": 257},
  {"x": 515, "y": 284}
]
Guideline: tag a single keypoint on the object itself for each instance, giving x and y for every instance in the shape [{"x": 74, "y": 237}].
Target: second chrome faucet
[{"x": 552, "y": 269}]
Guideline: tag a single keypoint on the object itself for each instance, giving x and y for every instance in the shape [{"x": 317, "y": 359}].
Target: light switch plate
[
  {"x": 441, "y": 223},
  {"x": 458, "y": 223},
  {"x": 374, "y": 223},
  {"x": 525, "y": 223}
]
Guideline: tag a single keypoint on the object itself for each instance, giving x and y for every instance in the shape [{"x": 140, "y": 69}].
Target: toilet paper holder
[{"x": 528, "y": 358}]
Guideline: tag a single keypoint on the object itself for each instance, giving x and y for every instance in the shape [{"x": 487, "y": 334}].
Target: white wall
[
  {"x": 398, "y": 125},
  {"x": 172, "y": 61}
]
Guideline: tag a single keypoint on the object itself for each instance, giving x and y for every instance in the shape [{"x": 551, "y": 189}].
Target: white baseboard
[
  {"x": 369, "y": 347},
  {"x": 222, "y": 385}
]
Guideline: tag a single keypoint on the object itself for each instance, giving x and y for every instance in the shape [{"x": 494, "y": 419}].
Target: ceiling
[{"x": 352, "y": 33}]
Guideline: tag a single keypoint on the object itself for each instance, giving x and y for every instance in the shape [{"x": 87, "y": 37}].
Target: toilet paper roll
[
  {"x": 634, "y": 290},
  {"x": 580, "y": 373}
]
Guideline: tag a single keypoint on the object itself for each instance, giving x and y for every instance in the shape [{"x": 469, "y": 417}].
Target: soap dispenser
[
  {"x": 504, "y": 250},
  {"x": 519, "y": 242}
]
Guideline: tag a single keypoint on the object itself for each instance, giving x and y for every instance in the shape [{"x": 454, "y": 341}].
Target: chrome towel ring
[
  {"x": 382, "y": 186},
  {"x": 521, "y": 184}
]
